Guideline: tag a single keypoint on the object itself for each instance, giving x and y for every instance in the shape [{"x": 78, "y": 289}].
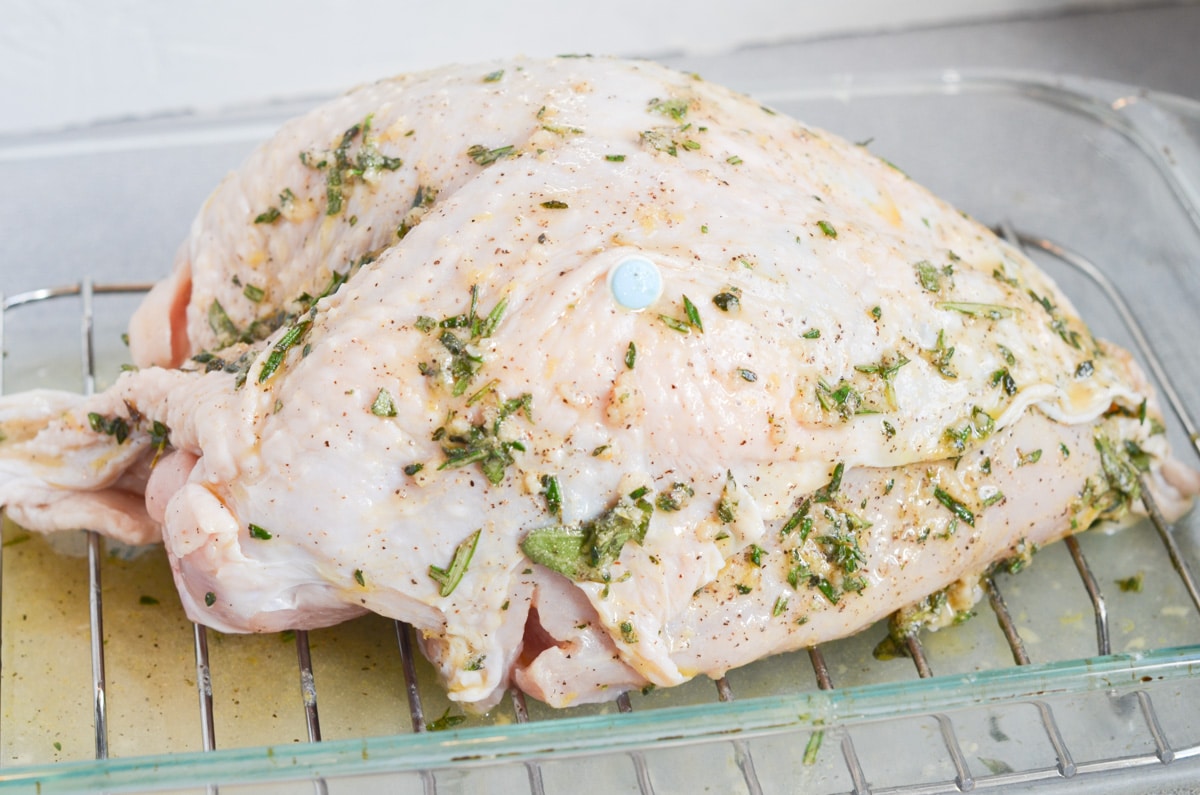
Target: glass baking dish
[{"x": 1083, "y": 173}]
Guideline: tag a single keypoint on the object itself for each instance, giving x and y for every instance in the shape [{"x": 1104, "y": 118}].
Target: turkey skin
[{"x": 597, "y": 374}]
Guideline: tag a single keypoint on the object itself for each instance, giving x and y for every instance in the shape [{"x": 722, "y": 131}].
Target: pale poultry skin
[{"x": 848, "y": 396}]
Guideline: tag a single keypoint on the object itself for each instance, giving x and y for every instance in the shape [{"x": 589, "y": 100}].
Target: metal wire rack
[{"x": 1161, "y": 750}]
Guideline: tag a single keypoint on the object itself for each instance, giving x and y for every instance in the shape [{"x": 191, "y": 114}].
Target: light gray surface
[{"x": 1154, "y": 47}]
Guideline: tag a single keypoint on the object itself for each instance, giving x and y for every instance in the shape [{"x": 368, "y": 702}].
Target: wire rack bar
[
  {"x": 412, "y": 689},
  {"x": 95, "y": 594},
  {"x": 1099, "y": 607},
  {"x": 1163, "y": 527},
  {"x": 825, "y": 682},
  {"x": 745, "y": 760},
  {"x": 533, "y": 769},
  {"x": 645, "y": 784},
  {"x": 308, "y": 686}
]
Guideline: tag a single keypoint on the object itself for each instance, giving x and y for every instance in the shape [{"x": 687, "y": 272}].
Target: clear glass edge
[
  {"x": 616, "y": 733},
  {"x": 1151, "y": 121}
]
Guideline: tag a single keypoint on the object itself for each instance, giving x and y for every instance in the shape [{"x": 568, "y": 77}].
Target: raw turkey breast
[{"x": 598, "y": 374}]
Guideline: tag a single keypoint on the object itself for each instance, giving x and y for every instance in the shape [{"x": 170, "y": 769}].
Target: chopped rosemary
[
  {"x": 553, "y": 494},
  {"x": 990, "y": 311},
  {"x": 484, "y": 156},
  {"x": 554, "y": 204},
  {"x": 630, "y": 356},
  {"x": 116, "y": 427},
  {"x": 292, "y": 336},
  {"x": 675, "y": 108},
  {"x": 675, "y": 324},
  {"x": 727, "y": 506},
  {"x": 255, "y": 294},
  {"x": 957, "y": 508},
  {"x": 259, "y": 532},
  {"x": 450, "y": 577},
  {"x": 828, "y": 229},
  {"x": 615, "y": 158},
  {"x": 482, "y": 444},
  {"x": 812, "y": 334},
  {"x": 674, "y": 498},
  {"x": 268, "y": 216},
  {"x": 693, "y": 314}
]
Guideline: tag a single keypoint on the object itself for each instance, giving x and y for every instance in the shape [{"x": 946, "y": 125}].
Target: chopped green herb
[
  {"x": 615, "y": 158},
  {"x": 992, "y": 499},
  {"x": 990, "y": 311},
  {"x": 221, "y": 325},
  {"x": 688, "y": 143},
  {"x": 941, "y": 355},
  {"x": 554, "y": 204},
  {"x": 1131, "y": 584},
  {"x": 447, "y": 721},
  {"x": 798, "y": 519},
  {"x": 1028, "y": 458},
  {"x": 269, "y": 216},
  {"x": 812, "y": 334},
  {"x": 583, "y": 551},
  {"x": 147, "y": 600},
  {"x": 728, "y": 300},
  {"x": 599, "y": 450},
  {"x": 412, "y": 469},
  {"x": 876, "y": 312},
  {"x": 828, "y": 229},
  {"x": 780, "y": 607},
  {"x": 210, "y": 599},
  {"x": 675, "y": 108},
  {"x": 259, "y": 532},
  {"x": 553, "y": 494},
  {"x": 928, "y": 276},
  {"x": 844, "y": 399},
  {"x": 630, "y": 356},
  {"x": 693, "y": 314},
  {"x": 727, "y": 506},
  {"x": 425, "y": 324},
  {"x": 733, "y": 160},
  {"x": 292, "y": 336},
  {"x": 450, "y": 577},
  {"x": 383, "y": 405},
  {"x": 492, "y": 77},
  {"x": 483, "y": 444},
  {"x": 116, "y": 427},
  {"x": 359, "y": 578},
  {"x": 889, "y": 430},
  {"x": 628, "y": 634},
  {"x": 255, "y": 294},
  {"x": 1005, "y": 380},
  {"x": 1066, "y": 451},
  {"x": 674, "y": 498},
  {"x": 747, "y": 375},
  {"x": 675, "y": 324},
  {"x": 484, "y": 156},
  {"x": 1085, "y": 369},
  {"x": 957, "y": 508},
  {"x": 812, "y": 748}
]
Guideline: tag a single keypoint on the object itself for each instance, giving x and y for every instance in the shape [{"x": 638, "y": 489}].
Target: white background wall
[{"x": 70, "y": 62}]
